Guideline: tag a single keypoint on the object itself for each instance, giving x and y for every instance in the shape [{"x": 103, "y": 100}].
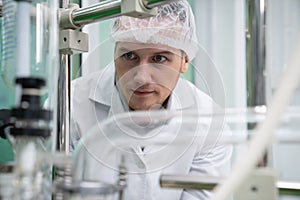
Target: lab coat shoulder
[
  {"x": 187, "y": 96},
  {"x": 82, "y": 85},
  {"x": 90, "y": 100},
  {"x": 97, "y": 86},
  {"x": 211, "y": 157}
]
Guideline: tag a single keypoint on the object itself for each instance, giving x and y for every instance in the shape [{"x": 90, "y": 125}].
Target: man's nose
[{"x": 142, "y": 74}]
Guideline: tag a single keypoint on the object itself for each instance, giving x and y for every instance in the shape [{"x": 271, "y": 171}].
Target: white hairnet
[{"x": 174, "y": 26}]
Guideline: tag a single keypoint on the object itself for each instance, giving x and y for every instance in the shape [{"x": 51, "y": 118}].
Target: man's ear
[{"x": 185, "y": 64}]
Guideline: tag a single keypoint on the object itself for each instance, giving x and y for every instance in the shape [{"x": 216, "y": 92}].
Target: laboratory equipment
[
  {"x": 30, "y": 31},
  {"x": 29, "y": 136},
  {"x": 265, "y": 130},
  {"x": 173, "y": 134},
  {"x": 33, "y": 25},
  {"x": 168, "y": 141},
  {"x": 256, "y": 57},
  {"x": 72, "y": 41},
  {"x": 256, "y": 53},
  {"x": 29, "y": 63}
]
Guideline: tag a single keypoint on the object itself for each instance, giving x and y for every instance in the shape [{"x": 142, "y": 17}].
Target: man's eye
[
  {"x": 159, "y": 58},
  {"x": 129, "y": 56}
]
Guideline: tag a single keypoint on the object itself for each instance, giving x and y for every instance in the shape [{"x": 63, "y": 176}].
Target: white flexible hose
[{"x": 264, "y": 132}]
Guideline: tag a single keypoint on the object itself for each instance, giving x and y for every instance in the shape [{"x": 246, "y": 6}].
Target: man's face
[{"x": 147, "y": 73}]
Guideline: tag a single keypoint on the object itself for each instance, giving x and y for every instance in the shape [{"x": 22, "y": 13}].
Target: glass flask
[
  {"x": 30, "y": 58},
  {"x": 29, "y": 40},
  {"x": 154, "y": 143},
  {"x": 32, "y": 170}
]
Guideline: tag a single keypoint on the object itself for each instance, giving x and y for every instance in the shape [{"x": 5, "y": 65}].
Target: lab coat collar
[
  {"x": 182, "y": 97},
  {"x": 104, "y": 91},
  {"x": 102, "y": 87}
]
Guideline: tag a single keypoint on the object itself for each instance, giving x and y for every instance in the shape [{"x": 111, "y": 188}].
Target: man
[{"x": 150, "y": 54}]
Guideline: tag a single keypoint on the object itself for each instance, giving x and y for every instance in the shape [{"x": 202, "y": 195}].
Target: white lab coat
[{"x": 95, "y": 97}]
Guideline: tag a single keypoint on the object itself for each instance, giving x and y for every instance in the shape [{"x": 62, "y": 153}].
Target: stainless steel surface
[
  {"x": 73, "y": 42},
  {"x": 208, "y": 183},
  {"x": 288, "y": 185},
  {"x": 155, "y": 3},
  {"x": 256, "y": 52},
  {"x": 64, "y": 91},
  {"x": 256, "y": 58},
  {"x": 64, "y": 105},
  {"x": 289, "y": 188},
  {"x": 100, "y": 11},
  {"x": 188, "y": 182},
  {"x": 66, "y": 19},
  {"x": 106, "y": 10}
]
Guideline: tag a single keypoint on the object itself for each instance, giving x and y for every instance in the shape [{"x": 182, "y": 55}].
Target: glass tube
[
  {"x": 29, "y": 40},
  {"x": 30, "y": 50},
  {"x": 29, "y": 169}
]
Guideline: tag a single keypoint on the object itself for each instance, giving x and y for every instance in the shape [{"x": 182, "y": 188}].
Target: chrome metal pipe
[
  {"x": 107, "y": 10},
  {"x": 64, "y": 89},
  {"x": 209, "y": 183},
  {"x": 100, "y": 11},
  {"x": 64, "y": 108},
  {"x": 155, "y": 3},
  {"x": 188, "y": 182},
  {"x": 288, "y": 188},
  {"x": 256, "y": 52},
  {"x": 256, "y": 58}
]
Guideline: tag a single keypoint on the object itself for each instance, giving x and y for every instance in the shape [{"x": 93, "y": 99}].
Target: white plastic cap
[{"x": 174, "y": 26}]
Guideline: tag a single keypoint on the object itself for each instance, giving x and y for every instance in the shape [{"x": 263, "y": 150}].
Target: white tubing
[
  {"x": 264, "y": 132},
  {"x": 23, "y": 39}
]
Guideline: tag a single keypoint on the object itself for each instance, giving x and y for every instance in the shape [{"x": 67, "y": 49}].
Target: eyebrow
[
  {"x": 123, "y": 49},
  {"x": 164, "y": 52}
]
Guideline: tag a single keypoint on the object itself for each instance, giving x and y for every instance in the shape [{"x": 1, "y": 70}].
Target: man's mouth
[{"x": 143, "y": 92}]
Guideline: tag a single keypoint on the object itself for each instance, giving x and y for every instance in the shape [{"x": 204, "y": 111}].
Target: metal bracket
[
  {"x": 73, "y": 42},
  {"x": 260, "y": 186},
  {"x": 136, "y": 8},
  {"x": 66, "y": 18}
]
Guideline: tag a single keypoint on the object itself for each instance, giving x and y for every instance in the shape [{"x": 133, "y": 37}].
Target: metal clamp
[
  {"x": 136, "y": 8},
  {"x": 73, "y": 42},
  {"x": 66, "y": 19}
]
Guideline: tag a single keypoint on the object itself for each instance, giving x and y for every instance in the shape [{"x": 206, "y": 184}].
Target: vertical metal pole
[
  {"x": 256, "y": 57},
  {"x": 64, "y": 104},
  {"x": 256, "y": 53},
  {"x": 64, "y": 100},
  {"x": 63, "y": 112}
]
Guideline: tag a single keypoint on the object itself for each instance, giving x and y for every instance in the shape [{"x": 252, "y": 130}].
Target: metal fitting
[
  {"x": 66, "y": 18},
  {"x": 73, "y": 42},
  {"x": 136, "y": 8}
]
